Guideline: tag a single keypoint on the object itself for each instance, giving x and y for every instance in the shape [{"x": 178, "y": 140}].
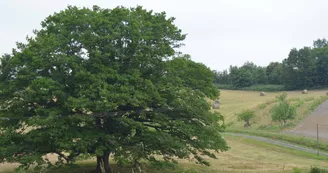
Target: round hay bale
[
  {"x": 326, "y": 93},
  {"x": 216, "y": 106},
  {"x": 305, "y": 91},
  {"x": 262, "y": 94}
]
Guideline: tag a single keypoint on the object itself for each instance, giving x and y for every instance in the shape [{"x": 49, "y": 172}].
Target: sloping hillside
[{"x": 308, "y": 127}]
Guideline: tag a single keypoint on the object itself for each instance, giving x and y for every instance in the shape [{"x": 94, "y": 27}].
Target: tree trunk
[
  {"x": 106, "y": 162},
  {"x": 98, "y": 168},
  {"x": 248, "y": 124}
]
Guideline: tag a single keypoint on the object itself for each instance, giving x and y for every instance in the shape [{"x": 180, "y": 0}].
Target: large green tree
[
  {"x": 222, "y": 77},
  {"x": 320, "y": 54},
  {"x": 274, "y": 73},
  {"x": 299, "y": 69},
  {"x": 102, "y": 82},
  {"x": 241, "y": 77},
  {"x": 247, "y": 75},
  {"x": 320, "y": 43},
  {"x": 303, "y": 68}
]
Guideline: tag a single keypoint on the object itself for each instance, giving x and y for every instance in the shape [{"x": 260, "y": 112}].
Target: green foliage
[
  {"x": 283, "y": 111},
  {"x": 293, "y": 99},
  {"x": 269, "y": 102},
  {"x": 309, "y": 99},
  {"x": 297, "y": 170},
  {"x": 161, "y": 165},
  {"x": 318, "y": 170},
  {"x": 241, "y": 77},
  {"x": 246, "y": 115},
  {"x": 262, "y": 106},
  {"x": 222, "y": 78},
  {"x": 303, "y": 68},
  {"x": 282, "y": 97},
  {"x": 274, "y": 73},
  {"x": 262, "y": 87},
  {"x": 225, "y": 86},
  {"x": 256, "y": 87},
  {"x": 299, "y": 104},
  {"x": 317, "y": 102},
  {"x": 299, "y": 69},
  {"x": 321, "y": 54},
  {"x": 320, "y": 43},
  {"x": 230, "y": 124},
  {"x": 274, "y": 127},
  {"x": 101, "y": 82},
  {"x": 247, "y": 75}
]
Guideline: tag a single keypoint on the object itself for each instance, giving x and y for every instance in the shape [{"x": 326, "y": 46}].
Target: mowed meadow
[
  {"x": 234, "y": 101},
  {"x": 244, "y": 155}
]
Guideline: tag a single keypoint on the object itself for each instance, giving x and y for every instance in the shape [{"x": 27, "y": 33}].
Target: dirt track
[{"x": 308, "y": 127}]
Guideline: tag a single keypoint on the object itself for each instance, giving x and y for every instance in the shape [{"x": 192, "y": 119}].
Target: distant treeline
[{"x": 303, "y": 69}]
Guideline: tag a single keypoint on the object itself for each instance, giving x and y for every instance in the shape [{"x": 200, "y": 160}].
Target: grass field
[
  {"x": 233, "y": 101},
  {"x": 245, "y": 155}
]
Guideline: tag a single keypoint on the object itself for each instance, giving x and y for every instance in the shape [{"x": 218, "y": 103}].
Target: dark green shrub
[{"x": 318, "y": 170}]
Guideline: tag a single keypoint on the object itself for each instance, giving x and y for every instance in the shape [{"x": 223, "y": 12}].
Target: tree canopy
[
  {"x": 283, "y": 111},
  {"x": 246, "y": 115},
  {"x": 303, "y": 68},
  {"x": 106, "y": 82}
]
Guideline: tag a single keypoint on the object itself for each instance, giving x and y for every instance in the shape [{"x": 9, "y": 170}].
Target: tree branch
[{"x": 63, "y": 156}]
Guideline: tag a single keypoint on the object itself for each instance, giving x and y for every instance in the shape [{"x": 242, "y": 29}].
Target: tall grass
[
  {"x": 309, "y": 99},
  {"x": 317, "y": 102},
  {"x": 298, "y": 104},
  {"x": 268, "y": 102},
  {"x": 294, "y": 99},
  {"x": 262, "y": 106}
]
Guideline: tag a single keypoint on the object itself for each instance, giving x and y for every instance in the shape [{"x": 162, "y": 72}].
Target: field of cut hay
[
  {"x": 245, "y": 155},
  {"x": 233, "y": 101}
]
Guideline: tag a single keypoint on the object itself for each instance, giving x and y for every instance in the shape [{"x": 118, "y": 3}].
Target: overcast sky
[{"x": 220, "y": 32}]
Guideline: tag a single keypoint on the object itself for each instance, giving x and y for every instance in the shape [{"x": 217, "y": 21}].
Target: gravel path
[
  {"x": 280, "y": 143},
  {"x": 308, "y": 127}
]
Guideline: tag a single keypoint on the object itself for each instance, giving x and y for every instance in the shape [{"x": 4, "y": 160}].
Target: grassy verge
[
  {"x": 280, "y": 149},
  {"x": 317, "y": 102},
  {"x": 303, "y": 141}
]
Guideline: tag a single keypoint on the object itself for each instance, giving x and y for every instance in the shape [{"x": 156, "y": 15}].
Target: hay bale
[
  {"x": 305, "y": 91},
  {"x": 326, "y": 93},
  {"x": 262, "y": 94},
  {"x": 216, "y": 106}
]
